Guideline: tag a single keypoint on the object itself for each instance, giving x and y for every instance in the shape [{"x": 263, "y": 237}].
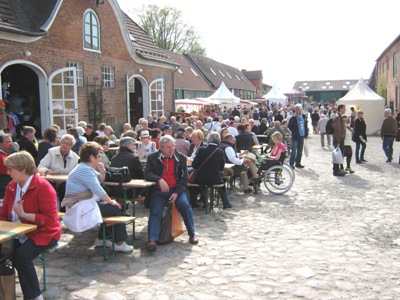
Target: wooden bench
[
  {"x": 209, "y": 193},
  {"x": 110, "y": 222}
]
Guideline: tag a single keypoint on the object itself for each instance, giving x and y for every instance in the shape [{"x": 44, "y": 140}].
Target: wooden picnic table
[{"x": 10, "y": 230}]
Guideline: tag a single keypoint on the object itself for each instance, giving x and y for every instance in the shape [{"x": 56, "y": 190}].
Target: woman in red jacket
[{"x": 29, "y": 199}]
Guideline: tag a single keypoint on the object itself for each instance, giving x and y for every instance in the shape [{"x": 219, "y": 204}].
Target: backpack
[{"x": 329, "y": 127}]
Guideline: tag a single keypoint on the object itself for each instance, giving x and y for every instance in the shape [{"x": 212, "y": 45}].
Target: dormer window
[{"x": 91, "y": 31}]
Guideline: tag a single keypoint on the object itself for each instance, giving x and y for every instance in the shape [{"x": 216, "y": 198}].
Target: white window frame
[
  {"x": 94, "y": 31},
  {"x": 108, "y": 77},
  {"x": 79, "y": 71}
]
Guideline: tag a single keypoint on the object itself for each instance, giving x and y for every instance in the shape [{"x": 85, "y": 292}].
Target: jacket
[
  {"x": 27, "y": 145},
  {"x": 389, "y": 127},
  {"x": 155, "y": 169},
  {"x": 359, "y": 129},
  {"x": 54, "y": 161},
  {"x": 209, "y": 173},
  {"x": 339, "y": 128},
  {"x": 40, "y": 198},
  {"x": 244, "y": 141},
  {"x": 126, "y": 158},
  {"x": 294, "y": 127}
]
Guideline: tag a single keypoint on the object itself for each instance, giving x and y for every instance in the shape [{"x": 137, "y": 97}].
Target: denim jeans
[
  {"x": 360, "y": 156},
  {"x": 157, "y": 204},
  {"x": 22, "y": 259},
  {"x": 387, "y": 146},
  {"x": 296, "y": 151}
]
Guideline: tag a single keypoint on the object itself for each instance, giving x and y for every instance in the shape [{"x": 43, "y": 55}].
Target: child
[{"x": 275, "y": 157}]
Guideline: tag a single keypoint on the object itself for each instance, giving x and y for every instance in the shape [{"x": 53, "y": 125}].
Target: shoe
[
  {"x": 349, "y": 170},
  {"x": 293, "y": 167},
  {"x": 99, "y": 243},
  {"x": 124, "y": 247},
  {"x": 389, "y": 160},
  {"x": 363, "y": 160},
  {"x": 151, "y": 245},
  {"x": 300, "y": 166},
  {"x": 228, "y": 205},
  {"x": 248, "y": 190},
  {"x": 194, "y": 240},
  {"x": 339, "y": 173}
]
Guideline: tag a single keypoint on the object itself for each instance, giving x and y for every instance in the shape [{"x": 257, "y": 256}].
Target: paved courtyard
[{"x": 327, "y": 238}]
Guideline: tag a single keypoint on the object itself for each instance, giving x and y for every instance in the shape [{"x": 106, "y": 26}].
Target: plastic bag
[
  {"x": 176, "y": 223},
  {"x": 165, "y": 233},
  {"x": 83, "y": 215},
  {"x": 305, "y": 148},
  {"x": 337, "y": 156}
]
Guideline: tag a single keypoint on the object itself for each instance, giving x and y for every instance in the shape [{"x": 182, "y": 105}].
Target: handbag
[
  {"x": 337, "y": 156},
  {"x": 305, "y": 148},
  {"x": 192, "y": 176},
  {"x": 7, "y": 281},
  {"x": 83, "y": 215},
  {"x": 176, "y": 223},
  {"x": 165, "y": 233},
  {"x": 120, "y": 175}
]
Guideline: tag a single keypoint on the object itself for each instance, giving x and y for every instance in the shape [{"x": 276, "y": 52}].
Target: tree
[{"x": 169, "y": 32}]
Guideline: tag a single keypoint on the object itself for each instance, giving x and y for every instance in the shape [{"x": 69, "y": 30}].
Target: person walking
[
  {"x": 298, "y": 127},
  {"x": 360, "y": 137},
  {"x": 388, "y": 134},
  {"x": 339, "y": 128}
]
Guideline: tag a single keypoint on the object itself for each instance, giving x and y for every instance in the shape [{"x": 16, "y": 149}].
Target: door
[
  {"x": 156, "y": 88},
  {"x": 63, "y": 99}
]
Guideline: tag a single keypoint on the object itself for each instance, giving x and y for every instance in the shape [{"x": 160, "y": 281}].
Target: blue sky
[{"x": 291, "y": 40}]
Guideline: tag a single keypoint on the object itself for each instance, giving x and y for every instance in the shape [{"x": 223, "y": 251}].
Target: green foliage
[
  {"x": 169, "y": 32},
  {"x": 381, "y": 90}
]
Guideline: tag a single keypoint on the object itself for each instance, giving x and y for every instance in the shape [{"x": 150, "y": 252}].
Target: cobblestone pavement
[{"x": 327, "y": 238}]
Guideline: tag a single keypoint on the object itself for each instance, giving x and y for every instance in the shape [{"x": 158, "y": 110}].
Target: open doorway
[
  {"x": 135, "y": 100},
  {"x": 20, "y": 90}
]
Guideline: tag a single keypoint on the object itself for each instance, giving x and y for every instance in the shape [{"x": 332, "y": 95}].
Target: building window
[
  {"x": 91, "y": 31},
  {"x": 164, "y": 78},
  {"x": 108, "y": 77},
  {"x": 79, "y": 71},
  {"x": 395, "y": 64}
]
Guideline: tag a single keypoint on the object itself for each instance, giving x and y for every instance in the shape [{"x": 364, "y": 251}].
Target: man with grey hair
[
  {"x": 388, "y": 134},
  {"x": 168, "y": 169},
  {"x": 298, "y": 127},
  {"x": 127, "y": 157},
  {"x": 174, "y": 125}
]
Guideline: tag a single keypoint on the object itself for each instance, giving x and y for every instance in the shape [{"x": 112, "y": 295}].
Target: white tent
[
  {"x": 276, "y": 96},
  {"x": 223, "y": 95},
  {"x": 361, "y": 97}
]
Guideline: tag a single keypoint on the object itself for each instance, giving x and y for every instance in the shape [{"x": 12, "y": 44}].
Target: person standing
[
  {"x": 339, "y": 128},
  {"x": 347, "y": 150},
  {"x": 168, "y": 169},
  {"x": 299, "y": 128},
  {"x": 388, "y": 134},
  {"x": 322, "y": 131},
  {"x": 360, "y": 137}
]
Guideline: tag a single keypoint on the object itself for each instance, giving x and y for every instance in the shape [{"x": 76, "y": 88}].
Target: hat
[
  {"x": 166, "y": 127},
  {"x": 144, "y": 133}
]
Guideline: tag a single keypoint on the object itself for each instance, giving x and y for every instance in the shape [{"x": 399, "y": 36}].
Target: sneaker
[
  {"x": 300, "y": 166},
  {"x": 339, "y": 173},
  {"x": 124, "y": 247},
  {"x": 99, "y": 243},
  {"x": 349, "y": 170}
]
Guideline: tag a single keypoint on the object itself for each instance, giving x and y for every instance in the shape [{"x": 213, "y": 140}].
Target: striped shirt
[{"x": 84, "y": 178}]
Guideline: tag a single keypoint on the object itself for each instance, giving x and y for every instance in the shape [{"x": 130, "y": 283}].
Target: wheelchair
[{"x": 277, "y": 176}]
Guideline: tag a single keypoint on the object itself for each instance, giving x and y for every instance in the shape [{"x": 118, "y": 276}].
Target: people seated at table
[
  {"x": 29, "y": 199},
  {"x": 50, "y": 139},
  {"x": 85, "y": 178},
  {"x": 181, "y": 144},
  {"x": 155, "y": 136},
  {"x": 7, "y": 146},
  {"x": 79, "y": 140},
  {"x": 244, "y": 140},
  {"x": 228, "y": 147},
  {"x": 209, "y": 173},
  {"x": 146, "y": 146},
  {"x": 197, "y": 137},
  {"x": 263, "y": 126},
  {"x": 60, "y": 160},
  {"x": 26, "y": 141},
  {"x": 109, "y": 133},
  {"x": 125, "y": 128},
  {"x": 90, "y": 134},
  {"x": 168, "y": 169},
  {"x": 103, "y": 142},
  {"x": 127, "y": 158},
  {"x": 247, "y": 126}
]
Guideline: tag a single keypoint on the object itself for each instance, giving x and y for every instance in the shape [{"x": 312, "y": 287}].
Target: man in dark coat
[
  {"x": 244, "y": 140},
  {"x": 298, "y": 127},
  {"x": 26, "y": 141},
  {"x": 127, "y": 158}
]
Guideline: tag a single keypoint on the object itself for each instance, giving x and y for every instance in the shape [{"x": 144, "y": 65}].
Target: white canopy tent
[
  {"x": 276, "y": 96},
  {"x": 224, "y": 96},
  {"x": 361, "y": 97}
]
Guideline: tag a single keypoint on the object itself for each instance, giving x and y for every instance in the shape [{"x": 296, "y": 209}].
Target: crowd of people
[{"x": 172, "y": 149}]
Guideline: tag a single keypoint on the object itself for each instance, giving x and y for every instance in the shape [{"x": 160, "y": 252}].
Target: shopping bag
[
  {"x": 337, "y": 156},
  {"x": 83, "y": 215},
  {"x": 165, "y": 233},
  {"x": 176, "y": 223},
  {"x": 7, "y": 281},
  {"x": 306, "y": 148}
]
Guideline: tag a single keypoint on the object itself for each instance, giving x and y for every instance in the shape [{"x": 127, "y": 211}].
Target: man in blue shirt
[{"x": 298, "y": 127}]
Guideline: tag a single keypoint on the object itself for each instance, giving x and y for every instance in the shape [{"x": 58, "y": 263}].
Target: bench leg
[
  {"x": 42, "y": 257},
  {"x": 112, "y": 255}
]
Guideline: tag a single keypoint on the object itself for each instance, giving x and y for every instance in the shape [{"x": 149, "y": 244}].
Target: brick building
[{"x": 80, "y": 60}]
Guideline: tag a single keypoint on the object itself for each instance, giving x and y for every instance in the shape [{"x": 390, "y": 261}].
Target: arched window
[{"x": 91, "y": 31}]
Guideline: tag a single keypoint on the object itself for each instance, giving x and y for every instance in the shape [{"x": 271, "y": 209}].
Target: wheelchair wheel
[
  {"x": 278, "y": 179},
  {"x": 291, "y": 170}
]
